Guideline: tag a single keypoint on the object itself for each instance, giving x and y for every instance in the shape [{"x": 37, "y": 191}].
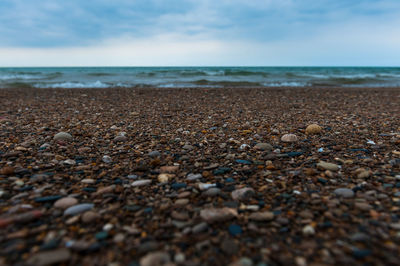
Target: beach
[{"x": 200, "y": 176}]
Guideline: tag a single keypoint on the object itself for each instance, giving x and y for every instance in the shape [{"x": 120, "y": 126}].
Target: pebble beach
[{"x": 200, "y": 176}]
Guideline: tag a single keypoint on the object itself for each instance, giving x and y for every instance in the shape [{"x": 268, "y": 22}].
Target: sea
[{"x": 198, "y": 77}]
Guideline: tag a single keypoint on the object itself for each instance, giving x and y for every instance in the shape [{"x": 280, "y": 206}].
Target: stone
[
  {"x": 344, "y": 192},
  {"x": 201, "y": 227},
  {"x": 262, "y": 216},
  {"x": 211, "y": 192},
  {"x": 140, "y": 183},
  {"x": 213, "y": 215},
  {"x": 192, "y": 177},
  {"x": 235, "y": 230},
  {"x": 49, "y": 257},
  {"x": 243, "y": 194},
  {"x": 229, "y": 246},
  {"x": 264, "y": 147},
  {"x": 120, "y": 138},
  {"x": 154, "y": 154},
  {"x": 308, "y": 230},
  {"x": 362, "y": 206},
  {"x": 65, "y": 203},
  {"x": 90, "y": 217},
  {"x": 7, "y": 170},
  {"x": 77, "y": 209},
  {"x": 164, "y": 178},
  {"x": 188, "y": 147},
  {"x": 313, "y": 129},
  {"x": 289, "y": 138},
  {"x": 328, "y": 166},
  {"x": 157, "y": 258},
  {"x": 169, "y": 169},
  {"x": 106, "y": 159},
  {"x": 62, "y": 136}
]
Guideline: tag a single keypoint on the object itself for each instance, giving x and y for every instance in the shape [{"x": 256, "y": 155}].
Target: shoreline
[{"x": 147, "y": 184}]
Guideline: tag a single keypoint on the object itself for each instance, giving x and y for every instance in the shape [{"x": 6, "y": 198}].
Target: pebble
[
  {"x": 65, "y": 203},
  {"x": 120, "y": 138},
  {"x": 49, "y": 257},
  {"x": 201, "y": 227},
  {"x": 192, "y": 177},
  {"x": 157, "y": 258},
  {"x": 212, "y": 192},
  {"x": 235, "y": 230},
  {"x": 344, "y": 192},
  {"x": 289, "y": 138},
  {"x": 106, "y": 159},
  {"x": 164, "y": 178},
  {"x": 262, "y": 216},
  {"x": 264, "y": 146},
  {"x": 7, "y": 170},
  {"x": 308, "y": 230},
  {"x": 213, "y": 215},
  {"x": 154, "y": 154},
  {"x": 243, "y": 194},
  {"x": 62, "y": 136},
  {"x": 328, "y": 166},
  {"x": 77, "y": 209},
  {"x": 313, "y": 129},
  {"x": 140, "y": 183},
  {"x": 89, "y": 217}
]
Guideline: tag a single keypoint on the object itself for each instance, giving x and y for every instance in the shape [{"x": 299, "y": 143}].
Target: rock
[
  {"x": 90, "y": 217},
  {"x": 164, "y": 178},
  {"x": 63, "y": 136},
  {"x": 362, "y": 173},
  {"x": 344, "y": 192},
  {"x": 157, "y": 258},
  {"x": 65, "y": 203},
  {"x": 77, "y": 209},
  {"x": 192, "y": 177},
  {"x": 328, "y": 166},
  {"x": 188, "y": 147},
  {"x": 181, "y": 202},
  {"x": 264, "y": 147},
  {"x": 262, "y": 216},
  {"x": 308, "y": 230},
  {"x": 7, "y": 170},
  {"x": 201, "y": 227},
  {"x": 49, "y": 257},
  {"x": 154, "y": 154},
  {"x": 120, "y": 138},
  {"x": 243, "y": 193},
  {"x": 229, "y": 247},
  {"x": 212, "y": 192},
  {"x": 140, "y": 183},
  {"x": 235, "y": 230},
  {"x": 313, "y": 129},
  {"x": 169, "y": 169},
  {"x": 213, "y": 215},
  {"x": 362, "y": 206},
  {"x": 289, "y": 138},
  {"x": 106, "y": 159}
]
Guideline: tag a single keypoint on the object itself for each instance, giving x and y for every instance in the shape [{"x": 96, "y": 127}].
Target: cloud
[{"x": 202, "y": 32}]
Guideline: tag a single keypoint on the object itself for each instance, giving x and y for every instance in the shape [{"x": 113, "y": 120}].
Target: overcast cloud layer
[{"x": 202, "y": 32}]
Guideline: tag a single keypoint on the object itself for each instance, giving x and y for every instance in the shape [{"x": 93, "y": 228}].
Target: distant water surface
[{"x": 165, "y": 77}]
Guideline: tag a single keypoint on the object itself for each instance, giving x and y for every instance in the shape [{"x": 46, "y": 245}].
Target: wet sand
[{"x": 200, "y": 176}]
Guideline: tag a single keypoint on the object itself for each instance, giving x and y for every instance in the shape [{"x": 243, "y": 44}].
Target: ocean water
[{"x": 165, "y": 77}]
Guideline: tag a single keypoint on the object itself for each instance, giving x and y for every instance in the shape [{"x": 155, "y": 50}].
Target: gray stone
[
  {"x": 143, "y": 182},
  {"x": 212, "y": 192},
  {"x": 344, "y": 192},
  {"x": 154, "y": 154},
  {"x": 63, "y": 136},
  {"x": 243, "y": 193},
  {"x": 157, "y": 258},
  {"x": 77, "y": 209},
  {"x": 264, "y": 147},
  {"x": 213, "y": 215},
  {"x": 198, "y": 228},
  {"x": 262, "y": 216},
  {"x": 327, "y": 166},
  {"x": 49, "y": 257}
]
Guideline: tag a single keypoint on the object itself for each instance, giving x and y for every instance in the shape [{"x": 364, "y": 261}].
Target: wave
[
  {"x": 75, "y": 85},
  {"x": 100, "y": 74},
  {"x": 18, "y": 77}
]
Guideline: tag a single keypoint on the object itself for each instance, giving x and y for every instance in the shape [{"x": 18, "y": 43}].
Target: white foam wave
[
  {"x": 285, "y": 84},
  {"x": 74, "y": 85},
  {"x": 18, "y": 77}
]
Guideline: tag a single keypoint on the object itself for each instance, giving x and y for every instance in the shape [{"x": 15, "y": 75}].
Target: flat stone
[
  {"x": 169, "y": 169},
  {"x": 49, "y": 257},
  {"x": 154, "y": 154},
  {"x": 262, "y": 216},
  {"x": 264, "y": 146},
  {"x": 140, "y": 183},
  {"x": 77, "y": 209},
  {"x": 201, "y": 227},
  {"x": 218, "y": 214},
  {"x": 212, "y": 192},
  {"x": 344, "y": 192},
  {"x": 289, "y": 138},
  {"x": 90, "y": 216},
  {"x": 65, "y": 203},
  {"x": 157, "y": 258},
  {"x": 63, "y": 136},
  {"x": 192, "y": 177},
  {"x": 327, "y": 166},
  {"x": 243, "y": 193},
  {"x": 120, "y": 138}
]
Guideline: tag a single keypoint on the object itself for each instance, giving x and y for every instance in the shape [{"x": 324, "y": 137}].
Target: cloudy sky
[{"x": 199, "y": 32}]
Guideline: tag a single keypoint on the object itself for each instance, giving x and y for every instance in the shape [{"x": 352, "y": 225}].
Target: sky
[{"x": 199, "y": 33}]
